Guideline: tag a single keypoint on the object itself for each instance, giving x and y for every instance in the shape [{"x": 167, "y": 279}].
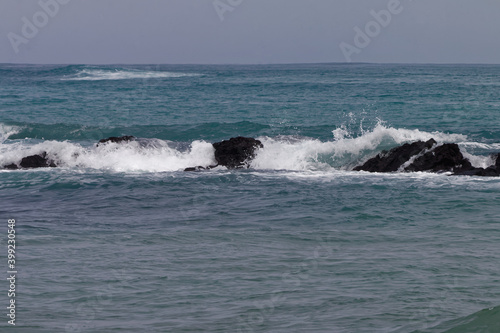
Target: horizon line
[{"x": 247, "y": 64}]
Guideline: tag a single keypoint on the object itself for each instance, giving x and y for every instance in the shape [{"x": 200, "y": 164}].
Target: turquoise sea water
[{"x": 120, "y": 239}]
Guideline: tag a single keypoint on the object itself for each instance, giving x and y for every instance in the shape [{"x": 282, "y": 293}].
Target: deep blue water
[{"x": 119, "y": 238}]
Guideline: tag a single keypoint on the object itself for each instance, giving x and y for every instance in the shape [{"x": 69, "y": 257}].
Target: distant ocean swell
[
  {"x": 284, "y": 152},
  {"x": 89, "y": 73},
  {"x": 122, "y": 74},
  {"x": 82, "y": 133}
]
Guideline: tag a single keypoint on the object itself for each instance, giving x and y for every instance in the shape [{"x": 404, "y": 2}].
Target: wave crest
[
  {"x": 290, "y": 153},
  {"x": 7, "y": 130},
  {"x": 122, "y": 74}
]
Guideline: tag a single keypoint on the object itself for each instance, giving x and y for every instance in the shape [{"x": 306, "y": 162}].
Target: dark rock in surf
[
  {"x": 11, "y": 167},
  {"x": 429, "y": 157},
  {"x": 37, "y": 161},
  {"x": 236, "y": 152},
  {"x": 199, "y": 168},
  {"x": 117, "y": 139},
  {"x": 447, "y": 157},
  {"x": 391, "y": 161},
  {"x": 32, "y": 162},
  {"x": 488, "y": 172},
  {"x": 492, "y": 171}
]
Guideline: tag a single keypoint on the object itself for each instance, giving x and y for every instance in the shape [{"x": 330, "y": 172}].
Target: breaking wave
[
  {"x": 291, "y": 153},
  {"x": 344, "y": 152},
  {"x": 6, "y": 131}
]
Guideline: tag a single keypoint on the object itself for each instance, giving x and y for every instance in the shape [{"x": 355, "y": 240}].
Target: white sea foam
[
  {"x": 480, "y": 145},
  {"x": 102, "y": 74},
  {"x": 131, "y": 157},
  {"x": 342, "y": 153},
  {"x": 279, "y": 153},
  {"x": 479, "y": 161}
]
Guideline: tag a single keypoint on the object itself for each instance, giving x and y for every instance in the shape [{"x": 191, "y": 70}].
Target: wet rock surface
[
  {"x": 236, "y": 152},
  {"x": 428, "y": 157},
  {"x": 32, "y": 162},
  {"x": 391, "y": 161},
  {"x": 447, "y": 157}
]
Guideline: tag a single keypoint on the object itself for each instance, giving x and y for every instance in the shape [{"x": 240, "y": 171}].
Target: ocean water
[{"x": 120, "y": 239}]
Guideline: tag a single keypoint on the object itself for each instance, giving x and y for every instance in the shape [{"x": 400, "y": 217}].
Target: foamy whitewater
[
  {"x": 279, "y": 153},
  {"x": 119, "y": 238}
]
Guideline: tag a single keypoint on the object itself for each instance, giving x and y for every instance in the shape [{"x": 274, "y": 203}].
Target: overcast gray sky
[{"x": 249, "y": 31}]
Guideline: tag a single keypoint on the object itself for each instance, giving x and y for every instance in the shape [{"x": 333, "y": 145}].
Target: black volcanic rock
[
  {"x": 488, "y": 172},
  {"x": 236, "y": 152},
  {"x": 492, "y": 171},
  {"x": 447, "y": 157},
  {"x": 430, "y": 158},
  {"x": 37, "y": 161},
  {"x": 198, "y": 168},
  {"x": 32, "y": 162},
  {"x": 391, "y": 161},
  {"x": 11, "y": 167},
  {"x": 117, "y": 139}
]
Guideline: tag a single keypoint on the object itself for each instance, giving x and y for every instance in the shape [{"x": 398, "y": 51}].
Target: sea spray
[
  {"x": 6, "y": 131},
  {"x": 291, "y": 153}
]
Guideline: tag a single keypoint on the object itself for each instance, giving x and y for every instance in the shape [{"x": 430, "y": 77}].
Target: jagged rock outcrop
[
  {"x": 236, "y": 152},
  {"x": 32, "y": 162},
  {"x": 428, "y": 157},
  {"x": 391, "y": 161},
  {"x": 233, "y": 153},
  {"x": 447, "y": 157},
  {"x": 492, "y": 171},
  {"x": 11, "y": 166},
  {"x": 117, "y": 139},
  {"x": 488, "y": 172}
]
